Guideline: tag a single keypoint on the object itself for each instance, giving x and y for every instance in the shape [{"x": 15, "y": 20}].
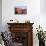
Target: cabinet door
[{"x": 20, "y": 37}]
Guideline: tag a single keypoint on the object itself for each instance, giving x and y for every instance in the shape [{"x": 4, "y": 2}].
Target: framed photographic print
[{"x": 20, "y": 10}]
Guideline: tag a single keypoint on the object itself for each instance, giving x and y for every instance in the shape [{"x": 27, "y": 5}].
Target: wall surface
[
  {"x": 43, "y": 6},
  {"x": 34, "y": 14},
  {"x": 33, "y": 11},
  {"x": 0, "y": 15}
]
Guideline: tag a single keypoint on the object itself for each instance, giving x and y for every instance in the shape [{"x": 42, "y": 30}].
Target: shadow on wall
[
  {"x": 43, "y": 6},
  {"x": 0, "y": 15}
]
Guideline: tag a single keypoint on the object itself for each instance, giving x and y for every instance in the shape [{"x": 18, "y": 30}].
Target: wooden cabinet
[{"x": 22, "y": 33}]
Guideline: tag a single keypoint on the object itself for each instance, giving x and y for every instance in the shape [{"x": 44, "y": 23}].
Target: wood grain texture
[{"x": 23, "y": 27}]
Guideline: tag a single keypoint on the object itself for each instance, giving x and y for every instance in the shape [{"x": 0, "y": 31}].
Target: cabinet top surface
[{"x": 19, "y": 23}]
